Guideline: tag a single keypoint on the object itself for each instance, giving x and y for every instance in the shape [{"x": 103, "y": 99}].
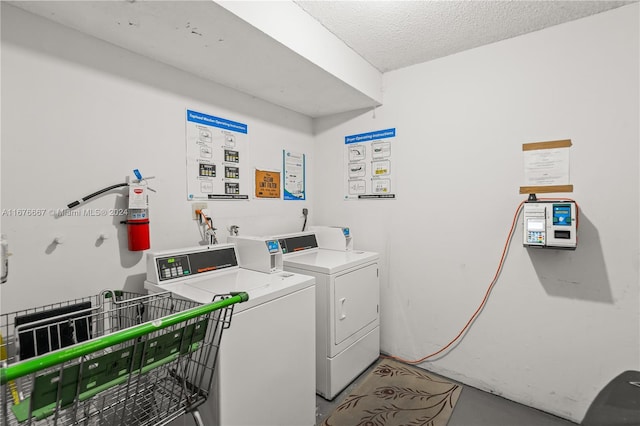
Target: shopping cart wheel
[{"x": 196, "y": 417}]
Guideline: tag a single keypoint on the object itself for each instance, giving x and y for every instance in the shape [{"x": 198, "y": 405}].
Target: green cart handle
[{"x": 33, "y": 365}]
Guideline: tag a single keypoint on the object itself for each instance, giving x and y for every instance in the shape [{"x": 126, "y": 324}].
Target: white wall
[
  {"x": 559, "y": 325},
  {"x": 79, "y": 115}
]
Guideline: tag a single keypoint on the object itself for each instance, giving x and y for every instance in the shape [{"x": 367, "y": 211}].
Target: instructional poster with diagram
[
  {"x": 294, "y": 169},
  {"x": 216, "y": 163},
  {"x": 368, "y": 158}
]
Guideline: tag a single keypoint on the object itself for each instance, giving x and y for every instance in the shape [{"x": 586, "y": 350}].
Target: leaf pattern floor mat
[{"x": 397, "y": 394}]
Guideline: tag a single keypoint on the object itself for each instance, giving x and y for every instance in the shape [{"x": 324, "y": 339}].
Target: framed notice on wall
[{"x": 368, "y": 168}]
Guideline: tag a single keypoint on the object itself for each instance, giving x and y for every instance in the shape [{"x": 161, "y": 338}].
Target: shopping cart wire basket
[{"x": 118, "y": 358}]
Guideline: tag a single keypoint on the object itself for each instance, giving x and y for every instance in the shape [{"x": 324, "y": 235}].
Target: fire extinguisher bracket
[{"x": 137, "y": 213}]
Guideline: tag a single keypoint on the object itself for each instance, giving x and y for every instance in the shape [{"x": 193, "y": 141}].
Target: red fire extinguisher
[
  {"x": 137, "y": 214},
  {"x": 138, "y": 218}
]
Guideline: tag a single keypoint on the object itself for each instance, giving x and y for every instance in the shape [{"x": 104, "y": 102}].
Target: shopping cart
[{"x": 117, "y": 358}]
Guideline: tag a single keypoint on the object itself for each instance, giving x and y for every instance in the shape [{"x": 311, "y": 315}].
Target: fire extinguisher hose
[{"x": 95, "y": 194}]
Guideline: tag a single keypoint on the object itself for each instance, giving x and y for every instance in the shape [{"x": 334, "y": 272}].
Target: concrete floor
[
  {"x": 474, "y": 408},
  {"x": 479, "y": 408}
]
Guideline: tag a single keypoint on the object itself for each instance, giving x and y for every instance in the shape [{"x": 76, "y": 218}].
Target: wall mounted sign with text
[
  {"x": 216, "y": 158},
  {"x": 294, "y": 175},
  {"x": 369, "y": 165},
  {"x": 546, "y": 167},
  {"x": 267, "y": 184}
]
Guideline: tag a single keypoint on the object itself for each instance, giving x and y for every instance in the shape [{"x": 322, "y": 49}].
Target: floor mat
[{"x": 395, "y": 394}]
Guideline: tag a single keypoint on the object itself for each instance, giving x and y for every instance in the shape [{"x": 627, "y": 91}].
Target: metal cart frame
[{"x": 113, "y": 359}]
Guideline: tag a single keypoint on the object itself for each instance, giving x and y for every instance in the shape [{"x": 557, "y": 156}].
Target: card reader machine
[{"x": 550, "y": 224}]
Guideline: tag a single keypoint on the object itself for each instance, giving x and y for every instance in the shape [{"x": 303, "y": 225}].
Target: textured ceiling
[{"x": 395, "y": 34}]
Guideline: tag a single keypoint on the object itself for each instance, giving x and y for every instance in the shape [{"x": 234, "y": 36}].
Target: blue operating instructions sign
[
  {"x": 368, "y": 161},
  {"x": 216, "y": 158}
]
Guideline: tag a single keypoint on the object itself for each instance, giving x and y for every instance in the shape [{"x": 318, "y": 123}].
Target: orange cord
[
  {"x": 206, "y": 220},
  {"x": 488, "y": 292},
  {"x": 209, "y": 224}
]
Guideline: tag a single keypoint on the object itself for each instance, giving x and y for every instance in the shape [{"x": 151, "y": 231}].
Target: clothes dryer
[
  {"x": 265, "y": 373},
  {"x": 347, "y": 307}
]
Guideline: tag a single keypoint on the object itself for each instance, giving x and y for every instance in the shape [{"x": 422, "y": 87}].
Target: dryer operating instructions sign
[
  {"x": 216, "y": 163},
  {"x": 368, "y": 170}
]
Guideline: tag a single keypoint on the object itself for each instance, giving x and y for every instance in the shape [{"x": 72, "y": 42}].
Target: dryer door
[{"x": 356, "y": 298}]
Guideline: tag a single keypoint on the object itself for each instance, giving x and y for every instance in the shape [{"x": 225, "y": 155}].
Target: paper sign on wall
[
  {"x": 216, "y": 158},
  {"x": 546, "y": 167},
  {"x": 267, "y": 184},
  {"x": 294, "y": 175},
  {"x": 368, "y": 165}
]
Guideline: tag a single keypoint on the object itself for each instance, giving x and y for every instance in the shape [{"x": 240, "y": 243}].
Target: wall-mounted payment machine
[
  {"x": 258, "y": 254},
  {"x": 333, "y": 237},
  {"x": 550, "y": 224},
  {"x": 347, "y": 307},
  {"x": 271, "y": 341}
]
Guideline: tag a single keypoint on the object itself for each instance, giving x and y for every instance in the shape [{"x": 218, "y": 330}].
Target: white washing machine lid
[
  {"x": 261, "y": 287},
  {"x": 329, "y": 262}
]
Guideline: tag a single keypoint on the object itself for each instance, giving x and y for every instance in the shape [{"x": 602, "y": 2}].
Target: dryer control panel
[
  {"x": 295, "y": 243},
  {"x": 333, "y": 237}
]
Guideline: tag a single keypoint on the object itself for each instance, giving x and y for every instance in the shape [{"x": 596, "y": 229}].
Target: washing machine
[
  {"x": 265, "y": 374},
  {"x": 347, "y": 304}
]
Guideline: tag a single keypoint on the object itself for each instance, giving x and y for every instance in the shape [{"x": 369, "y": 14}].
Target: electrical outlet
[{"x": 196, "y": 208}]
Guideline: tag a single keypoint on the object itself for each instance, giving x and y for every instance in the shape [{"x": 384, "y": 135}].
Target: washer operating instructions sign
[
  {"x": 368, "y": 158},
  {"x": 216, "y": 158}
]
